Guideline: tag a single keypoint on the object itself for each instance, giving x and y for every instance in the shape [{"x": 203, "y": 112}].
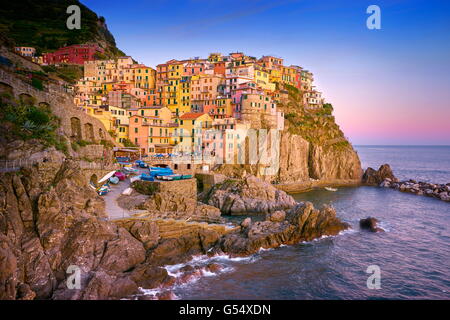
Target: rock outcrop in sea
[
  {"x": 301, "y": 223},
  {"x": 374, "y": 177},
  {"x": 384, "y": 177},
  {"x": 370, "y": 224}
]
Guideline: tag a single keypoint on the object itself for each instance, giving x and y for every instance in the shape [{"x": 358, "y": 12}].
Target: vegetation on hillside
[
  {"x": 42, "y": 24},
  {"x": 68, "y": 73},
  {"x": 317, "y": 126},
  {"x": 27, "y": 121}
]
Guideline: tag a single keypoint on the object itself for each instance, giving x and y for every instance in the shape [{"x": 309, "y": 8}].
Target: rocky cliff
[
  {"x": 49, "y": 223},
  {"x": 313, "y": 149},
  {"x": 51, "y": 220}
]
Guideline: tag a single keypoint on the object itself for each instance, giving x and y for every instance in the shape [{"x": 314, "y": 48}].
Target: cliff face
[
  {"x": 313, "y": 149},
  {"x": 49, "y": 222}
]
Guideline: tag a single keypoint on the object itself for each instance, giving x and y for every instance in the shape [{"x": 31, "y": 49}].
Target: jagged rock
[
  {"x": 246, "y": 223},
  {"x": 42, "y": 234},
  {"x": 144, "y": 230},
  {"x": 213, "y": 267},
  {"x": 148, "y": 277},
  {"x": 276, "y": 216},
  {"x": 444, "y": 196},
  {"x": 174, "y": 250},
  {"x": 370, "y": 224},
  {"x": 249, "y": 195},
  {"x": 302, "y": 223},
  {"x": 376, "y": 177}
]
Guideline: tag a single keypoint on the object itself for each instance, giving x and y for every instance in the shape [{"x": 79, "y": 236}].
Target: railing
[{"x": 14, "y": 165}]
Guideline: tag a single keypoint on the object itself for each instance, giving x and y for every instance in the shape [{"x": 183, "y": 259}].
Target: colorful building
[{"x": 74, "y": 54}]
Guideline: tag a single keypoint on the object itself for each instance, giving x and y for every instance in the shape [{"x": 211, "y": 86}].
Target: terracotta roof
[{"x": 191, "y": 115}]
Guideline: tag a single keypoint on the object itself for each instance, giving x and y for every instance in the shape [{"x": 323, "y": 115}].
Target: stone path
[{"x": 111, "y": 206}]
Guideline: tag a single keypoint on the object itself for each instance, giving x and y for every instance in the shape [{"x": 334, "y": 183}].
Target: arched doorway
[
  {"x": 89, "y": 132},
  {"x": 75, "y": 125},
  {"x": 6, "y": 93},
  {"x": 94, "y": 180},
  {"x": 26, "y": 99}
]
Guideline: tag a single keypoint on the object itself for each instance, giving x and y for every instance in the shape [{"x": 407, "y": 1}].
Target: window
[{"x": 136, "y": 130}]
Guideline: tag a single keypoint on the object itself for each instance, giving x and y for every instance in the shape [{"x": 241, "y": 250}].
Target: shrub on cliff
[{"x": 27, "y": 122}]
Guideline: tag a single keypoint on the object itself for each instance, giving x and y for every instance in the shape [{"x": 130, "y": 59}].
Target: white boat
[
  {"x": 330, "y": 189},
  {"x": 106, "y": 177}
]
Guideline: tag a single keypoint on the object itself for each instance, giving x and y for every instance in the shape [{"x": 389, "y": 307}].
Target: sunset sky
[{"x": 388, "y": 86}]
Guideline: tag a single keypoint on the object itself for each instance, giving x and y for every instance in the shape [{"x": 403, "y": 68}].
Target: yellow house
[
  {"x": 188, "y": 135},
  {"x": 275, "y": 75},
  {"x": 184, "y": 104},
  {"x": 107, "y": 87},
  {"x": 262, "y": 79},
  {"x": 145, "y": 77},
  {"x": 171, "y": 92},
  {"x": 122, "y": 133},
  {"x": 102, "y": 115},
  {"x": 215, "y": 57},
  {"x": 159, "y": 112},
  {"x": 288, "y": 75}
]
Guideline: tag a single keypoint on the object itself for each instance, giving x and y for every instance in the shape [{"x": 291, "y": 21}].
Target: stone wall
[{"x": 75, "y": 123}]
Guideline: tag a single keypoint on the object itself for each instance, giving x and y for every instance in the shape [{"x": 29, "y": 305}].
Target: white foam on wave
[{"x": 265, "y": 249}]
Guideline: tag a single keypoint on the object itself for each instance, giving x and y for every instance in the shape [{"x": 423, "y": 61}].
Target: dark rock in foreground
[
  {"x": 302, "y": 223},
  {"x": 370, "y": 224}
]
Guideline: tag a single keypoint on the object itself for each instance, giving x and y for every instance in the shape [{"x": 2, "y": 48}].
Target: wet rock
[
  {"x": 370, "y": 224},
  {"x": 444, "y": 196},
  {"x": 277, "y": 216},
  {"x": 376, "y": 177},
  {"x": 246, "y": 223},
  {"x": 166, "y": 295},
  {"x": 147, "y": 276},
  {"x": 213, "y": 267},
  {"x": 302, "y": 223},
  {"x": 187, "y": 268}
]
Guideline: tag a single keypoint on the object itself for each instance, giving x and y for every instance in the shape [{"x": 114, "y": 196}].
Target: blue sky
[{"x": 388, "y": 86}]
